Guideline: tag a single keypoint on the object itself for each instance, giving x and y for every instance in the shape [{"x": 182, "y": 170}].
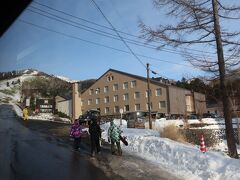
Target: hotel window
[
  {"x": 105, "y": 89},
  {"x": 133, "y": 84},
  {"x": 162, "y": 104},
  {"x": 115, "y": 87},
  {"x": 90, "y": 91},
  {"x": 82, "y": 101},
  {"x": 107, "y": 110},
  {"x": 89, "y": 101},
  {"x": 150, "y": 93},
  {"x": 126, "y": 108},
  {"x": 115, "y": 98},
  {"x": 116, "y": 109},
  {"x": 125, "y": 97},
  {"x": 125, "y": 85},
  {"x": 137, "y": 95},
  {"x": 97, "y": 90},
  {"x": 137, "y": 107},
  {"x": 158, "y": 92},
  {"x": 97, "y": 100},
  {"x": 106, "y": 99}
]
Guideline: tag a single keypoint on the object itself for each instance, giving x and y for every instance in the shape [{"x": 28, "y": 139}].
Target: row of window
[
  {"x": 158, "y": 92},
  {"x": 115, "y": 87},
  {"x": 137, "y": 107},
  {"x": 116, "y": 98}
]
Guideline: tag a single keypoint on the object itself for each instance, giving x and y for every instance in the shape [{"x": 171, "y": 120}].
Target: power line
[
  {"x": 98, "y": 44},
  {"x": 85, "y": 20},
  {"x": 118, "y": 33},
  {"x": 100, "y": 32},
  {"x": 66, "y": 21}
]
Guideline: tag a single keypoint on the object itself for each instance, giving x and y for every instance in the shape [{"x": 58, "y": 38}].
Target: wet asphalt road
[{"x": 26, "y": 154}]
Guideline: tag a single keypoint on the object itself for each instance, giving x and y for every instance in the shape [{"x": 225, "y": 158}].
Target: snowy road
[
  {"x": 28, "y": 155},
  {"x": 42, "y": 150}
]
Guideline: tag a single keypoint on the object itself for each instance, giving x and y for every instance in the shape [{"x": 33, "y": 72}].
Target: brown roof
[{"x": 133, "y": 76}]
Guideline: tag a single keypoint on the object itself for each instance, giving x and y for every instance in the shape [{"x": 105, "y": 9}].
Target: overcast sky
[{"x": 39, "y": 42}]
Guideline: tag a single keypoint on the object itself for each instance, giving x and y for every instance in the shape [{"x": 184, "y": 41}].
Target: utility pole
[{"x": 148, "y": 93}]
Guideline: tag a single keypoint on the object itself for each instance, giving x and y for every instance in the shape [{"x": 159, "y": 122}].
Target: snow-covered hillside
[
  {"x": 11, "y": 92},
  {"x": 10, "y": 88},
  {"x": 65, "y": 79}
]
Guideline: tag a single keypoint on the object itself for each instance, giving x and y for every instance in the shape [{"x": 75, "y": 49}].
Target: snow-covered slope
[
  {"x": 65, "y": 79},
  {"x": 11, "y": 93}
]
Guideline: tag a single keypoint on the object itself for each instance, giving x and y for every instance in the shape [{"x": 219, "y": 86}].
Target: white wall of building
[{"x": 65, "y": 107}]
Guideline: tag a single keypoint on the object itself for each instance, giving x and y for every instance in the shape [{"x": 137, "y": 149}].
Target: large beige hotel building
[{"x": 116, "y": 90}]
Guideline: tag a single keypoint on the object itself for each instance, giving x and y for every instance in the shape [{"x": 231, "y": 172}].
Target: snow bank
[
  {"x": 128, "y": 131},
  {"x": 159, "y": 124},
  {"x": 17, "y": 109},
  {"x": 48, "y": 117},
  {"x": 209, "y": 123},
  {"x": 184, "y": 160}
]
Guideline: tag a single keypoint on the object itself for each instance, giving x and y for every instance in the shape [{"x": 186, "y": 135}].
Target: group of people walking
[{"x": 95, "y": 132}]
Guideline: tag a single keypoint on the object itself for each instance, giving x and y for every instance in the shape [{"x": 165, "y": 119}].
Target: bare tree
[{"x": 197, "y": 23}]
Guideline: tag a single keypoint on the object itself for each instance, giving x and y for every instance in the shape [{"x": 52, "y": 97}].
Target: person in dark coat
[{"x": 95, "y": 135}]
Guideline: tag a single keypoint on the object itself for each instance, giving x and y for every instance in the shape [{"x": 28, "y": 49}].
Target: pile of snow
[
  {"x": 184, "y": 160},
  {"x": 17, "y": 109},
  {"x": 222, "y": 146},
  {"x": 159, "y": 124},
  {"x": 48, "y": 117},
  {"x": 43, "y": 116},
  {"x": 127, "y": 131},
  {"x": 209, "y": 123}
]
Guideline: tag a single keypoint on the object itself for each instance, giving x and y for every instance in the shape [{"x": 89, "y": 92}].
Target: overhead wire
[
  {"x": 98, "y": 44},
  {"x": 155, "y": 47},
  {"x": 124, "y": 42},
  {"x": 100, "y": 32},
  {"x": 91, "y": 22},
  {"x": 127, "y": 40}
]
